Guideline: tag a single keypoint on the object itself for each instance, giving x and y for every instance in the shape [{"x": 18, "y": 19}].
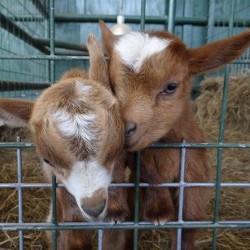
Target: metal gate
[{"x": 32, "y": 58}]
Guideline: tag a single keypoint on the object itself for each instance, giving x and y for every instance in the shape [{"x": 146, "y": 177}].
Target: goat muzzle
[
  {"x": 95, "y": 206},
  {"x": 130, "y": 129}
]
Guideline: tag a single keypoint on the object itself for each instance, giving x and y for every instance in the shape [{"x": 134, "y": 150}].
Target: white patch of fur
[
  {"x": 83, "y": 87},
  {"x": 85, "y": 179},
  {"x": 77, "y": 125},
  {"x": 135, "y": 47}
]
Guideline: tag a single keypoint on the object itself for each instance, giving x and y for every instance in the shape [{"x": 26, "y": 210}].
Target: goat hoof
[
  {"x": 160, "y": 217},
  {"x": 114, "y": 222},
  {"x": 116, "y": 215},
  {"x": 161, "y": 221}
]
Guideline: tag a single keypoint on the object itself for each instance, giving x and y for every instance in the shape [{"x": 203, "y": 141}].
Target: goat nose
[
  {"x": 130, "y": 128},
  {"x": 94, "y": 210}
]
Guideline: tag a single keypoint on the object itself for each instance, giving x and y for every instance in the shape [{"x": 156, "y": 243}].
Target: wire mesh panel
[
  {"x": 39, "y": 41},
  {"x": 219, "y": 17},
  {"x": 21, "y": 23}
]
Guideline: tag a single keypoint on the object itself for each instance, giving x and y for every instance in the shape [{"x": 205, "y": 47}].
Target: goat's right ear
[
  {"x": 217, "y": 54},
  {"x": 15, "y": 113},
  {"x": 108, "y": 38}
]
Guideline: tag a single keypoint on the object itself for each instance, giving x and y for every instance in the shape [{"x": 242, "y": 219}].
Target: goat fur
[
  {"x": 143, "y": 80},
  {"x": 78, "y": 94}
]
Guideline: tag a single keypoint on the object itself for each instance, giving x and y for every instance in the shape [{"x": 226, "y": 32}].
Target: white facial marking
[
  {"x": 86, "y": 178},
  {"x": 135, "y": 47},
  {"x": 82, "y": 87},
  {"x": 76, "y": 125}
]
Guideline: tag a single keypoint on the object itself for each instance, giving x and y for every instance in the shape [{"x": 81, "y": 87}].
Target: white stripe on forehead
[
  {"x": 77, "y": 125},
  {"x": 82, "y": 87},
  {"x": 86, "y": 178},
  {"x": 135, "y": 47}
]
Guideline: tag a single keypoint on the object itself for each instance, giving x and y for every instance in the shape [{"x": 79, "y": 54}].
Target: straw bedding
[{"x": 235, "y": 202}]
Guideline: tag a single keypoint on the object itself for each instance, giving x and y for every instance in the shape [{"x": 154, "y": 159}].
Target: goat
[
  {"x": 150, "y": 74},
  {"x": 79, "y": 135}
]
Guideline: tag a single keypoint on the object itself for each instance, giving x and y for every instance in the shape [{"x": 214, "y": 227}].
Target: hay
[
  {"x": 35, "y": 201},
  {"x": 238, "y": 108},
  {"x": 235, "y": 202}
]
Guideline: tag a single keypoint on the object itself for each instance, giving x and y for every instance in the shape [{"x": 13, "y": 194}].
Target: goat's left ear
[
  {"x": 217, "y": 54},
  {"x": 15, "y": 113},
  {"x": 108, "y": 38},
  {"x": 98, "y": 70}
]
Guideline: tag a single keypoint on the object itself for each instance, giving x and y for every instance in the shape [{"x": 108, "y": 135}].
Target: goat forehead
[
  {"x": 76, "y": 125},
  {"x": 135, "y": 47}
]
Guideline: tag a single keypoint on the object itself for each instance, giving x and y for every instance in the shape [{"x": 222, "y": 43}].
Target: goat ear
[
  {"x": 15, "y": 113},
  {"x": 98, "y": 69},
  {"x": 108, "y": 38},
  {"x": 219, "y": 53}
]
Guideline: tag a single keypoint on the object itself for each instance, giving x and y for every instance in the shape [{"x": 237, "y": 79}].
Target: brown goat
[
  {"x": 79, "y": 135},
  {"x": 151, "y": 75}
]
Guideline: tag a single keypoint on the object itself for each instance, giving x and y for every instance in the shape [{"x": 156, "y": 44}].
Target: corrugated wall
[
  {"x": 207, "y": 22},
  {"x": 217, "y": 11}
]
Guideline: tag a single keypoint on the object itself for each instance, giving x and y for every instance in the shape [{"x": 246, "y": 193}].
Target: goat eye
[
  {"x": 112, "y": 88},
  {"x": 170, "y": 88},
  {"x": 48, "y": 162}
]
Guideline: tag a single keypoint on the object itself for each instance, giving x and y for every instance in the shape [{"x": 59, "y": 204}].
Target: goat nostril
[
  {"x": 130, "y": 128},
  {"x": 95, "y": 210}
]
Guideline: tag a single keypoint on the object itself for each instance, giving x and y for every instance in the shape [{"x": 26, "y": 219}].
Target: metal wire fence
[
  {"x": 17, "y": 78},
  {"x": 31, "y": 25}
]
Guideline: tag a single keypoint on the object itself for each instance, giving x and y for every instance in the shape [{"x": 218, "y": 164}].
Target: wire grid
[
  {"x": 21, "y": 78},
  {"x": 220, "y": 13},
  {"x": 136, "y": 225}
]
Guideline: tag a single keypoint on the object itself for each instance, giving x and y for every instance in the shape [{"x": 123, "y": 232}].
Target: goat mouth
[
  {"x": 131, "y": 146},
  {"x": 89, "y": 218}
]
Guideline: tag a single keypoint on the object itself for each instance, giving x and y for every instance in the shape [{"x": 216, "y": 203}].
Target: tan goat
[
  {"x": 79, "y": 135},
  {"x": 151, "y": 75}
]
